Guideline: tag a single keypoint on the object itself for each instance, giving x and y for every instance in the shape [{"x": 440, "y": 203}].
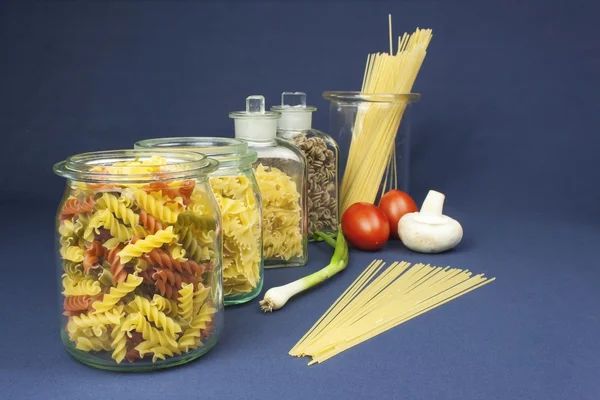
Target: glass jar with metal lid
[
  {"x": 139, "y": 255},
  {"x": 236, "y": 190}
]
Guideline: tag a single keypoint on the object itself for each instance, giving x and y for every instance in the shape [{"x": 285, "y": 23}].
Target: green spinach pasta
[{"x": 140, "y": 267}]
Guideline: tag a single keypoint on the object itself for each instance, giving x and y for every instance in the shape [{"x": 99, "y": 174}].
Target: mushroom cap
[{"x": 429, "y": 233}]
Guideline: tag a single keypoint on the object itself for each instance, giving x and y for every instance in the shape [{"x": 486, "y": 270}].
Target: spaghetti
[
  {"x": 377, "y": 121},
  {"x": 380, "y": 299}
]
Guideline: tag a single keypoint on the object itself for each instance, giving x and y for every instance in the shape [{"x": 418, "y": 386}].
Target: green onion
[{"x": 276, "y": 297}]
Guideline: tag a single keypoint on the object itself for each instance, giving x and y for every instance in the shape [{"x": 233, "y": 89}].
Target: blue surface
[{"x": 507, "y": 128}]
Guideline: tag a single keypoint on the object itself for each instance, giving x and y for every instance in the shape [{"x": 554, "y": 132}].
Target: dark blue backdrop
[{"x": 507, "y": 128}]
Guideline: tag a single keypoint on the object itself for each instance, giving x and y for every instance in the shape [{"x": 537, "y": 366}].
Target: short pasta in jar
[
  {"x": 282, "y": 178},
  {"x": 238, "y": 196},
  {"x": 139, "y": 250}
]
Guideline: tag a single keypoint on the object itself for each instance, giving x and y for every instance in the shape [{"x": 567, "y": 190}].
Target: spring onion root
[{"x": 276, "y": 297}]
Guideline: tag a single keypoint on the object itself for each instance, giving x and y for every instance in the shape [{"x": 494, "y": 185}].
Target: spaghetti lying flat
[
  {"x": 380, "y": 299},
  {"x": 377, "y": 121}
]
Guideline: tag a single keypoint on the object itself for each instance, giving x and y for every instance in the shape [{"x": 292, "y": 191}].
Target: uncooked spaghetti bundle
[
  {"x": 377, "y": 122},
  {"x": 380, "y": 299}
]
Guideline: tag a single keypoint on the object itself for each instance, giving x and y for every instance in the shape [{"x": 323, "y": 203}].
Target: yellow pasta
[
  {"x": 115, "y": 294},
  {"x": 186, "y": 301},
  {"x": 155, "y": 207},
  {"x": 241, "y": 233},
  {"x": 134, "y": 250},
  {"x": 153, "y": 314},
  {"x": 80, "y": 287},
  {"x": 92, "y": 344},
  {"x": 380, "y": 299},
  {"x": 282, "y": 231},
  {"x": 376, "y": 124},
  {"x": 139, "y": 323},
  {"x": 167, "y": 306},
  {"x": 119, "y": 209},
  {"x": 72, "y": 253},
  {"x": 119, "y": 343},
  {"x": 93, "y": 321}
]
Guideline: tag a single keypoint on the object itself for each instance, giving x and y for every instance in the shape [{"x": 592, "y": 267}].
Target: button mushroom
[{"x": 429, "y": 231}]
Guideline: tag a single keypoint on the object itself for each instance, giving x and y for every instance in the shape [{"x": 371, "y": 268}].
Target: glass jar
[
  {"x": 235, "y": 187},
  {"x": 281, "y": 174},
  {"x": 321, "y": 153},
  {"x": 139, "y": 257},
  {"x": 373, "y": 133}
]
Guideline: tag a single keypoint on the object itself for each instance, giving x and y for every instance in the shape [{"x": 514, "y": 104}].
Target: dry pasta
[
  {"x": 282, "y": 231},
  {"x": 380, "y": 299},
  {"x": 125, "y": 262},
  {"x": 241, "y": 233},
  {"x": 376, "y": 124}
]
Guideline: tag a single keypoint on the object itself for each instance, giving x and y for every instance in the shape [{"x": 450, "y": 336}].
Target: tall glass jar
[
  {"x": 139, "y": 258},
  {"x": 235, "y": 187},
  {"x": 321, "y": 153},
  {"x": 281, "y": 174},
  {"x": 373, "y": 133}
]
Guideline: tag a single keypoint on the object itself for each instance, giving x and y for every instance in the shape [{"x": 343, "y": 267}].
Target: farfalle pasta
[{"x": 140, "y": 267}]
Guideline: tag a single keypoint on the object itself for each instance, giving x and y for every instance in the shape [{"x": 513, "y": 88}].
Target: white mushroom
[{"x": 429, "y": 231}]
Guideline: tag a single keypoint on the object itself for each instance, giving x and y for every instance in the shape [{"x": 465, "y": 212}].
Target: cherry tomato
[
  {"x": 365, "y": 226},
  {"x": 394, "y": 205}
]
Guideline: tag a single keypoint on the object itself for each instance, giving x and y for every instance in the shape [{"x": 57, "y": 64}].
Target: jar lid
[
  {"x": 225, "y": 150},
  {"x": 295, "y": 114},
  {"x": 255, "y": 123},
  {"x": 135, "y": 166}
]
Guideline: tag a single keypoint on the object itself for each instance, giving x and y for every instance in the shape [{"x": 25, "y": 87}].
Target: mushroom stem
[{"x": 433, "y": 203}]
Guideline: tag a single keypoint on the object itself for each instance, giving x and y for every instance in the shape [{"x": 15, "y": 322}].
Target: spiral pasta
[
  {"x": 112, "y": 317},
  {"x": 115, "y": 294},
  {"x": 80, "y": 287},
  {"x": 153, "y": 314},
  {"x": 149, "y": 222},
  {"x": 191, "y": 337},
  {"x": 91, "y": 255},
  {"x": 77, "y": 303},
  {"x": 136, "y": 321},
  {"x": 119, "y": 209},
  {"x": 167, "y": 306},
  {"x": 125, "y": 264},
  {"x": 72, "y": 253},
  {"x": 92, "y": 344},
  {"x": 73, "y": 205},
  {"x": 134, "y": 250},
  {"x": 155, "y": 207},
  {"x": 119, "y": 343},
  {"x": 186, "y": 301}
]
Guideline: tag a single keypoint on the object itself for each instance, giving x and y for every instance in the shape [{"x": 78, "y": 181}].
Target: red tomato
[
  {"x": 394, "y": 205},
  {"x": 365, "y": 226}
]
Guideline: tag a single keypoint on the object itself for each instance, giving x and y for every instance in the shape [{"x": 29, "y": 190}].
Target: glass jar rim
[
  {"x": 226, "y": 151},
  {"x": 87, "y": 167},
  {"x": 356, "y": 97}
]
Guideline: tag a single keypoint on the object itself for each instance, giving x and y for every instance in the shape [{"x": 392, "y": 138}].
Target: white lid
[
  {"x": 255, "y": 123},
  {"x": 295, "y": 114}
]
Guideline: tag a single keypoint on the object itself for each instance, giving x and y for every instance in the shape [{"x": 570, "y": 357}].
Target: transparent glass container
[
  {"x": 281, "y": 174},
  {"x": 321, "y": 153},
  {"x": 373, "y": 134},
  {"x": 236, "y": 189},
  {"x": 139, "y": 258}
]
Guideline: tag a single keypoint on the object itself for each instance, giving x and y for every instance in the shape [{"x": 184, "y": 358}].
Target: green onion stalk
[{"x": 276, "y": 297}]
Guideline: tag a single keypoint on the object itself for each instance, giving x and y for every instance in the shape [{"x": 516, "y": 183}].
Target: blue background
[{"x": 507, "y": 128}]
